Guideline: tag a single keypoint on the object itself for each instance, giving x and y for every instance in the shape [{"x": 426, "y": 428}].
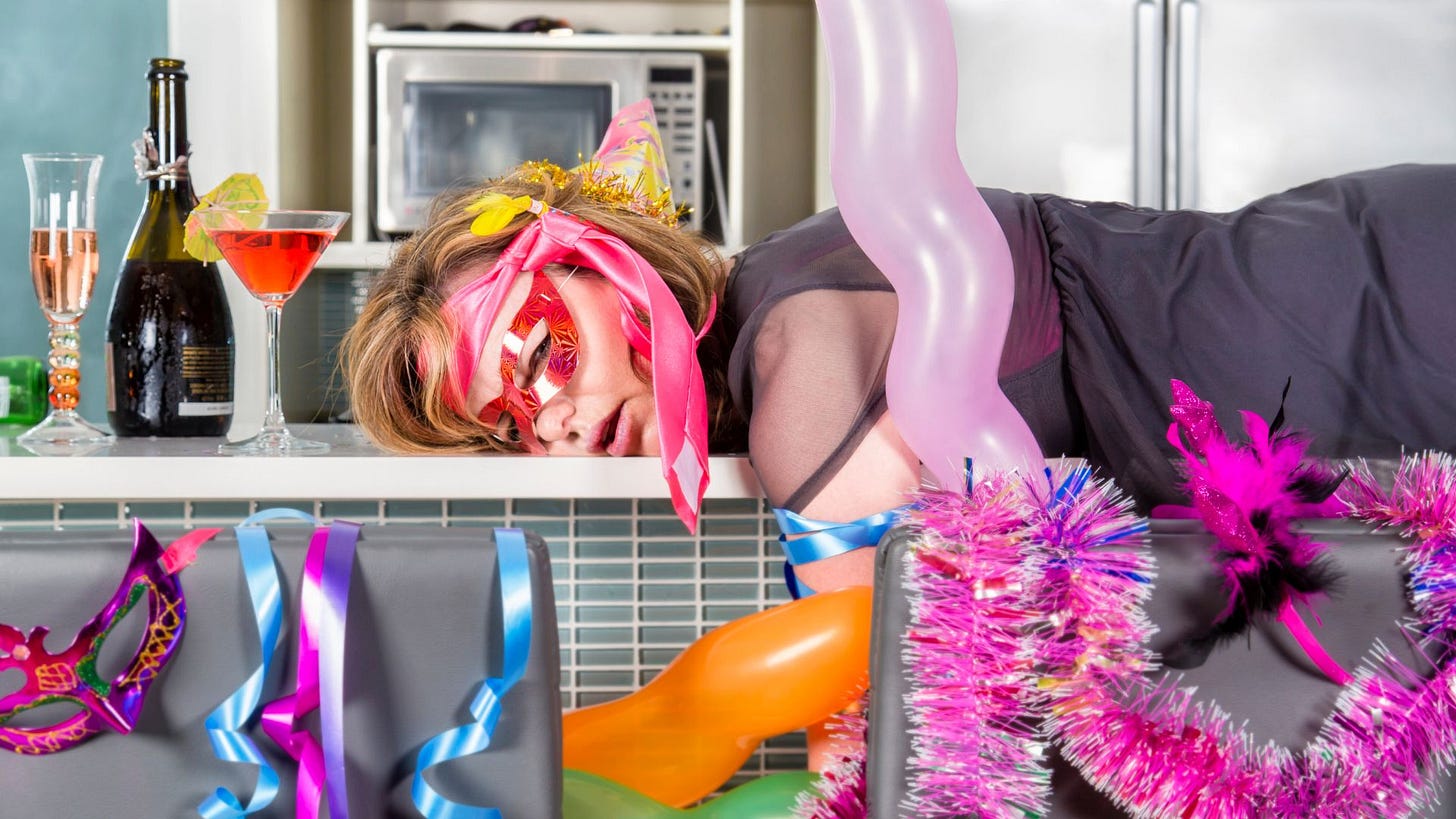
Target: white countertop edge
[{"x": 158, "y": 477}]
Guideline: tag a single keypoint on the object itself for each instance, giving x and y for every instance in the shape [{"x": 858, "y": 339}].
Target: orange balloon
[{"x": 693, "y": 726}]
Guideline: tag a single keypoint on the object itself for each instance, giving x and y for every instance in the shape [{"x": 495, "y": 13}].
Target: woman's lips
[
  {"x": 621, "y": 435},
  {"x": 604, "y": 434}
]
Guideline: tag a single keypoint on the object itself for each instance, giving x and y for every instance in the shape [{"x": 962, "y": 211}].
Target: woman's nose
[{"x": 553, "y": 421}]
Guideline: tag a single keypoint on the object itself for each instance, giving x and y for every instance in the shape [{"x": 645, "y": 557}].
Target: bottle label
[
  {"x": 194, "y": 408},
  {"x": 207, "y": 380}
]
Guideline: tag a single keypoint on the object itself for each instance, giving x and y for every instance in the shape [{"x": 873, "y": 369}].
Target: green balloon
[{"x": 588, "y": 796}]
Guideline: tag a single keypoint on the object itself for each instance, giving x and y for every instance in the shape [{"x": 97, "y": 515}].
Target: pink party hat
[{"x": 629, "y": 169}]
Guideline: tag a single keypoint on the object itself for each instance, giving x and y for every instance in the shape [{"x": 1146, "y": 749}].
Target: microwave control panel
[{"x": 676, "y": 91}]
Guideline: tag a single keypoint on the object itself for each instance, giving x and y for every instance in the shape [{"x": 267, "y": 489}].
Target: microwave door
[
  {"x": 460, "y": 133},
  {"x": 450, "y": 118}
]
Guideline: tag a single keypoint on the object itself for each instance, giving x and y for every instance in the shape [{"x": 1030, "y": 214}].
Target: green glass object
[
  {"x": 588, "y": 796},
  {"x": 22, "y": 390}
]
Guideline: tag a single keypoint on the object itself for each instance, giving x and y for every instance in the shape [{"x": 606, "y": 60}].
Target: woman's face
[{"x": 606, "y": 406}]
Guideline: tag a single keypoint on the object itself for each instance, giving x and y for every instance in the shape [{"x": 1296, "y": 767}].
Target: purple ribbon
[{"x": 324, "y": 608}]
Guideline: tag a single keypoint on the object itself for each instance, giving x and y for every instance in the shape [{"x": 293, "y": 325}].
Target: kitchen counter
[{"x": 190, "y": 468}]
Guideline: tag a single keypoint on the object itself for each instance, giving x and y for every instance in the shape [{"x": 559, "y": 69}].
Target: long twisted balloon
[{"x": 910, "y": 205}]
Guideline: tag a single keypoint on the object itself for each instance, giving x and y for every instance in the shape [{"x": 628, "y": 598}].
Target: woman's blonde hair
[{"x": 396, "y": 355}]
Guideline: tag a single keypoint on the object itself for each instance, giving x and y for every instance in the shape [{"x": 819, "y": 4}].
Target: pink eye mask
[
  {"x": 70, "y": 676},
  {"x": 667, "y": 340},
  {"x": 544, "y": 305}
]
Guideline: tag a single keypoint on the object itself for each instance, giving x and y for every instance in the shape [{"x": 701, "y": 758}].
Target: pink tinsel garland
[
  {"x": 975, "y": 750},
  {"x": 1157, "y": 752},
  {"x": 1152, "y": 748},
  {"x": 840, "y": 791}
]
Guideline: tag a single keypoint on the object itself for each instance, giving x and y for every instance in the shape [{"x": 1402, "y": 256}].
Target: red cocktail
[
  {"x": 272, "y": 252},
  {"x": 272, "y": 263}
]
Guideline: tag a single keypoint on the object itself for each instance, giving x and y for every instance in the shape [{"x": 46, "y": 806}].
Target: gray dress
[{"x": 1345, "y": 286}]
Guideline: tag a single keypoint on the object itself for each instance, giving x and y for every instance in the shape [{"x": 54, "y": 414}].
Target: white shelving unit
[
  {"x": 284, "y": 89},
  {"x": 768, "y": 46}
]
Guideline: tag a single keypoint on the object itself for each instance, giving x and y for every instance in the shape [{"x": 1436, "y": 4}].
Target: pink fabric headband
[{"x": 666, "y": 340}]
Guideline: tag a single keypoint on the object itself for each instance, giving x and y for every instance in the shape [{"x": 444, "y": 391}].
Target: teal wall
[{"x": 72, "y": 78}]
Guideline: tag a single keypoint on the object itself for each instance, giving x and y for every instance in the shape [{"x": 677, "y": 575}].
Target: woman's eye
[
  {"x": 537, "y": 349},
  {"x": 538, "y": 359},
  {"x": 506, "y": 430}
]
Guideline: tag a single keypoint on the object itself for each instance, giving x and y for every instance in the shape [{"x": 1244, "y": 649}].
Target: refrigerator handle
[
  {"x": 1147, "y": 103},
  {"x": 1186, "y": 128}
]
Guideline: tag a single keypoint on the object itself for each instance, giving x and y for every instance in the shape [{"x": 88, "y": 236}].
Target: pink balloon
[{"x": 910, "y": 205}]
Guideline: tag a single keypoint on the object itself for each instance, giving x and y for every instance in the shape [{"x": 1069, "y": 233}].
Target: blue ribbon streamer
[
  {"x": 821, "y": 539},
  {"x": 225, "y": 723},
  {"x": 514, "y": 577}
]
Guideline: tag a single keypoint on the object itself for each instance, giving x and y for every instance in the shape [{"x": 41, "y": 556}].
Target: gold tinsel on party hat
[{"x": 629, "y": 169}]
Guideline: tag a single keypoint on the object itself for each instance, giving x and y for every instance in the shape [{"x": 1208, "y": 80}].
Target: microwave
[{"x": 447, "y": 117}]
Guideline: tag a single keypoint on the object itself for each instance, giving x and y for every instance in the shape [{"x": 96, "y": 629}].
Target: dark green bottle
[{"x": 169, "y": 338}]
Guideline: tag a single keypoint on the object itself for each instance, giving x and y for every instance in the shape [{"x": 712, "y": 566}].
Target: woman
[{"x": 1343, "y": 289}]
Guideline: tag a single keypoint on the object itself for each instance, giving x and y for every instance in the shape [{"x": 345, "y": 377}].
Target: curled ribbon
[
  {"x": 225, "y": 723},
  {"x": 514, "y": 578},
  {"x": 323, "y": 609},
  {"x": 820, "y": 539}
]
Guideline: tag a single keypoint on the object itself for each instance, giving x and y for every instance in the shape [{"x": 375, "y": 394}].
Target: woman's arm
[{"x": 879, "y": 475}]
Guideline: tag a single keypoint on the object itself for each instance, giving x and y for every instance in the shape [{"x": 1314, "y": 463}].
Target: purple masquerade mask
[{"x": 71, "y": 675}]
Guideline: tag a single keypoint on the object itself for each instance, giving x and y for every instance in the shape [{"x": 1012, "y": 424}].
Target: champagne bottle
[{"x": 169, "y": 338}]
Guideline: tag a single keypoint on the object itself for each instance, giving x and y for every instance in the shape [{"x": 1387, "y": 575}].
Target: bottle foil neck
[
  {"x": 150, "y": 167},
  {"x": 163, "y": 150}
]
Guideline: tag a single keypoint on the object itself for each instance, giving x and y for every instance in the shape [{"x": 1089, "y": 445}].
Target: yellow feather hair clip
[{"x": 494, "y": 211}]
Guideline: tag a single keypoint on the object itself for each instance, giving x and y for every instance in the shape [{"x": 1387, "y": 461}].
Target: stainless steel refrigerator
[{"x": 1200, "y": 103}]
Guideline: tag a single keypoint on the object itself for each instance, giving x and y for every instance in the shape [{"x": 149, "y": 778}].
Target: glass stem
[
  {"x": 273, "y": 420},
  {"x": 65, "y": 364}
]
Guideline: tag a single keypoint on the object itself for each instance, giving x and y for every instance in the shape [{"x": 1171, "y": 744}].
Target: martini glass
[
  {"x": 272, "y": 252},
  {"x": 63, "y": 262}
]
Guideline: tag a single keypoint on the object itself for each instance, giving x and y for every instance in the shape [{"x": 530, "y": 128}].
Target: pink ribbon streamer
[{"x": 320, "y": 651}]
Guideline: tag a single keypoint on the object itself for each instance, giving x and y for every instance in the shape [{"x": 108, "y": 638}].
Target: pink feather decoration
[
  {"x": 1249, "y": 496},
  {"x": 1028, "y": 605}
]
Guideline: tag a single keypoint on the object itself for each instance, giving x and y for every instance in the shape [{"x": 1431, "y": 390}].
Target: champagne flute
[
  {"x": 272, "y": 252},
  {"x": 63, "y": 263}
]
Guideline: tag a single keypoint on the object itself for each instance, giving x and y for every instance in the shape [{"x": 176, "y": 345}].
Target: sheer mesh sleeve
[
  {"x": 817, "y": 378},
  {"x": 816, "y": 319}
]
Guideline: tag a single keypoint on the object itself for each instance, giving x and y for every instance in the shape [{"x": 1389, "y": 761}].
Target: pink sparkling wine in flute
[
  {"x": 63, "y": 268},
  {"x": 63, "y": 262}
]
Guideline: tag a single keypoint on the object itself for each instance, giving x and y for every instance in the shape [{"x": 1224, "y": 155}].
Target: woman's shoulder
[
  {"x": 817, "y": 253},
  {"x": 800, "y": 243}
]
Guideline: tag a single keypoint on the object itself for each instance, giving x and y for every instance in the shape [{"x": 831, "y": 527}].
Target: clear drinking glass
[
  {"x": 272, "y": 252},
  {"x": 63, "y": 263}
]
